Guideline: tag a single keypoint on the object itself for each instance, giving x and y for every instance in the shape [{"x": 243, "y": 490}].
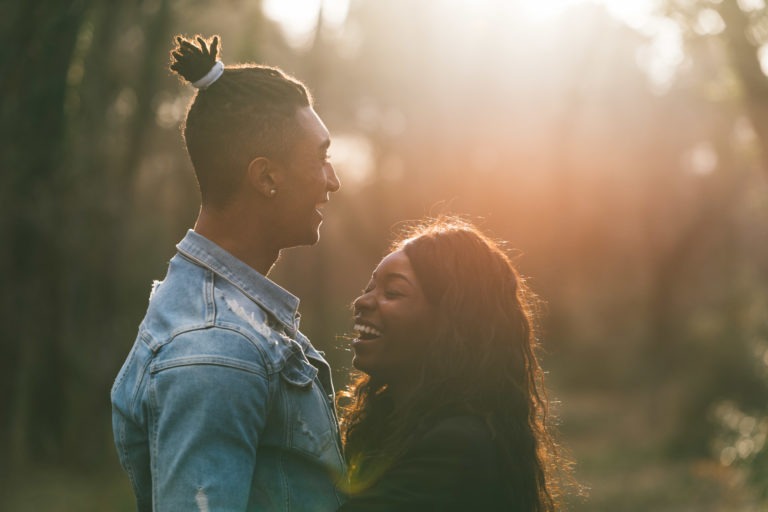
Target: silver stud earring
[{"x": 272, "y": 192}]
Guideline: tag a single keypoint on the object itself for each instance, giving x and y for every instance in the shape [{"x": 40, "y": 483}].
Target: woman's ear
[{"x": 264, "y": 176}]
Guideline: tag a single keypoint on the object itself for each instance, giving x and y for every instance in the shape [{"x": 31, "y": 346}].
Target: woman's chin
[
  {"x": 362, "y": 364},
  {"x": 359, "y": 364}
]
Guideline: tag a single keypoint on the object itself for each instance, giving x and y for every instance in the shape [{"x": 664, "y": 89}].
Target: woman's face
[{"x": 393, "y": 321}]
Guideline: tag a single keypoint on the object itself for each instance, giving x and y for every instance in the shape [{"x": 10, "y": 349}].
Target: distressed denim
[{"x": 222, "y": 404}]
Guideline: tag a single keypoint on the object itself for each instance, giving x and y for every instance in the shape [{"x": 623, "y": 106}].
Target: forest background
[{"x": 620, "y": 147}]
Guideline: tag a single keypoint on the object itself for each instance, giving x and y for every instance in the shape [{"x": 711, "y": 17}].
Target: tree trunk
[
  {"x": 33, "y": 82},
  {"x": 743, "y": 54}
]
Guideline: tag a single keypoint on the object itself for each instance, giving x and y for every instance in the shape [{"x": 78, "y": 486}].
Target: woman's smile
[
  {"x": 366, "y": 331},
  {"x": 393, "y": 320}
]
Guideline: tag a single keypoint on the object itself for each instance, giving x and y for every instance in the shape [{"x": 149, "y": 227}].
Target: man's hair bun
[{"x": 192, "y": 62}]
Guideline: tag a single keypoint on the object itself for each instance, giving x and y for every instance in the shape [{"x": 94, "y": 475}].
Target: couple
[{"x": 224, "y": 405}]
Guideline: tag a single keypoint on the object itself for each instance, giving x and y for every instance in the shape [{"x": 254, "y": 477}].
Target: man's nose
[{"x": 331, "y": 179}]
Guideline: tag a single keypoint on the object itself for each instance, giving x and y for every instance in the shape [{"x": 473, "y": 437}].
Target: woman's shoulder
[
  {"x": 459, "y": 424},
  {"x": 465, "y": 460},
  {"x": 459, "y": 433},
  {"x": 450, "y": 465}
]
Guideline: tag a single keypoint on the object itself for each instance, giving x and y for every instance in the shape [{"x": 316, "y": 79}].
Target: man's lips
[{"x": 319, "y": 208}]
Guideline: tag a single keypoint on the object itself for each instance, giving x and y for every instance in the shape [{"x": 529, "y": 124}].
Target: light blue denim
[{"x": 222, "y": 404}]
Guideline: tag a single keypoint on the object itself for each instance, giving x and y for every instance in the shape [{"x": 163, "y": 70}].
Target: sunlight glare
[
  {"x": 701, "y": 159},
  {"x": 751, "y": 5},
  {"x": 353, "y": 158},
  {"x": 762, "y": 54},
  {"x": 635, "y": 13},
  {"x": 663, "y": 55},
  {"x": 659, "y": 59},
  {"x": 543, "y": 10},
  {"x": 709, "y": 23},
  {"x": 298, "y": 18}
]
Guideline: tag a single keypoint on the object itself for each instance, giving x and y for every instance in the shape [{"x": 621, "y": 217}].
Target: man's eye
[{"x": 392, "y": 294}]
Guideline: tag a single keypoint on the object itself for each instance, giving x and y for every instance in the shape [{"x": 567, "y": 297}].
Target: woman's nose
[{"x": 363, "y": 302}]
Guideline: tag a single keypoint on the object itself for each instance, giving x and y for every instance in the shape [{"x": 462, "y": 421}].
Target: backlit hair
[
  {"x": 482, "y": 361},
  {"x": 248, "y": 112}
]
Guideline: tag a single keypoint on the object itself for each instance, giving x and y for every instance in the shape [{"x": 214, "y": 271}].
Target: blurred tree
[
  {"x": 112, "y": 107},
  {"x": 38, "y": 40},
  {"x": 743, "y": 35},
  {"x": 638, "y": 214},
  {"x": 65, "y": 192},
  {"x": 736, "y": 245},
  {"x": 744, "y": 30}
]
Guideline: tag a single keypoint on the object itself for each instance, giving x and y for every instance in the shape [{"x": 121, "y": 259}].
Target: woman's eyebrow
[{"x": 397, "y": 275}]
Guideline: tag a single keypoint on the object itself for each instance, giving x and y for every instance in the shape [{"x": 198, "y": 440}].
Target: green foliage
[
  {"x": 742, "y": 438},
  {"x": 640, "y": 216},
  {"x": 742, "y": 443}
]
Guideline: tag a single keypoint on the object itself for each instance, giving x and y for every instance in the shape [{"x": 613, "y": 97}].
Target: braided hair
[{"x": 248, "y": 112}]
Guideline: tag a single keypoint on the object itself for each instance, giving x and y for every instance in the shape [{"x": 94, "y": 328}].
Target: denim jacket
[{"x": 222, "y": 404}]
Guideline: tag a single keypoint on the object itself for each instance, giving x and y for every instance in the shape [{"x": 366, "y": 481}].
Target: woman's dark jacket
[{"x": 453, "y": 466}]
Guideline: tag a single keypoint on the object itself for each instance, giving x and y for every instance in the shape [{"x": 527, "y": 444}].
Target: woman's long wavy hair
[{"x": 481, "y": 361}]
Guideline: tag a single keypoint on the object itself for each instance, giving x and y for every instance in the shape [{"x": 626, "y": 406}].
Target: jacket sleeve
[
  {"x": 444, "y": 470},
  {"x": 207, "y": 413}
]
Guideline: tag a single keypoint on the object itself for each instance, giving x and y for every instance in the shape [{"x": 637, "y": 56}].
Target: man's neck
[{"x": 235, "y": 233}]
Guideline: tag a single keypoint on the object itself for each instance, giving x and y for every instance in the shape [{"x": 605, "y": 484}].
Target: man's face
[{"x": 308, "y": 179}]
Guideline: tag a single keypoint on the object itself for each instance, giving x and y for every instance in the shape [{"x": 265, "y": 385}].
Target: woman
[{"x": 449, "y": 412}]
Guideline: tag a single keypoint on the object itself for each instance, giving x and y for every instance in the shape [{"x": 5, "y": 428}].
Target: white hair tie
[{"x": 210, "y": 77}]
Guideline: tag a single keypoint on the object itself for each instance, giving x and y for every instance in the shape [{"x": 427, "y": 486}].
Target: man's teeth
[{"x": 365, "y": 329}]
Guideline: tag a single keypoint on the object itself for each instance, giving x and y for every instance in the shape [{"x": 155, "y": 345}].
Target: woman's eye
[{"x": 392, "y": 294}]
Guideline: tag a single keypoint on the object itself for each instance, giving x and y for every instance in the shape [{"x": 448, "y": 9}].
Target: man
[{"x": 222, "y": 404}]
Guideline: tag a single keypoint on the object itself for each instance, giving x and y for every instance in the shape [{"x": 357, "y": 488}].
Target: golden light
[
  {"x": 516, "y": 26},
  {"x": 545, "y": 10},
  {"x": 536, "y": 18},
  {"x": 298, "y": 18}
]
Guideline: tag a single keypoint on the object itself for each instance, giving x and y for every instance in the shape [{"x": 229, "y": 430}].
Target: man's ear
[{"x": 265, "y": 176}]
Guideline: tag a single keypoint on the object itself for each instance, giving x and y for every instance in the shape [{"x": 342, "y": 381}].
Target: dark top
[{"x": 454, "y": 466}]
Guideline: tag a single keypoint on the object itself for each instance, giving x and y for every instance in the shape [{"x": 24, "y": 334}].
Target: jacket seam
[
  {"x": 228, "y": 362},
  {"x": 252, "y": 340}
]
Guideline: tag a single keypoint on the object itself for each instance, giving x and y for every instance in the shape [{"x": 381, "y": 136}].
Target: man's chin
[
  {"x": 307, "y": 240},
  {"x": 313, "y": 237},
  {"x": 309, "y": 236}
]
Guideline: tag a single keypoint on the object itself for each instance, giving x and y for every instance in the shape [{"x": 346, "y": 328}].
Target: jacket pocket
[
  {"x": 297, "y": 371},
  {"x": 310, "y": 428}
]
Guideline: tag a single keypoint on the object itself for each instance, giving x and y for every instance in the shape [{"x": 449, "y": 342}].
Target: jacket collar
[{"x": 266, "y": 293}]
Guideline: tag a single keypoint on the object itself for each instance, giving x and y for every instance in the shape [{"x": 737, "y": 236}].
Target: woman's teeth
[{"x": 367, "y": 331}]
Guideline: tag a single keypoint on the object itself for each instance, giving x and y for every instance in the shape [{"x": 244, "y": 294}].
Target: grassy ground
[
  {"x": 618, "y": 450},
  {"x": 59, "y": 490},
  {"x": 619, "y": 454}
]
